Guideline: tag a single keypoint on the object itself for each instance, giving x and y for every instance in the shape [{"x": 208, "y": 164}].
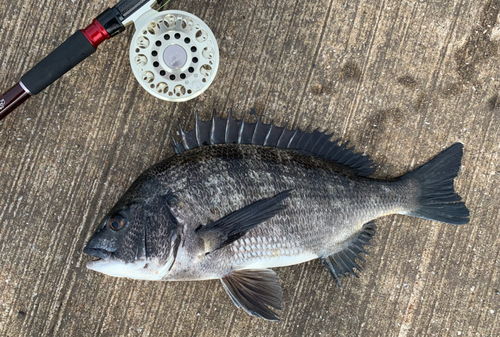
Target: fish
[{"x": 239, "y": 198}]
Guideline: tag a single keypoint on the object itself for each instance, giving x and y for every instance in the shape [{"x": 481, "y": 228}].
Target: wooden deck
[{"x": 401, "y": 80}]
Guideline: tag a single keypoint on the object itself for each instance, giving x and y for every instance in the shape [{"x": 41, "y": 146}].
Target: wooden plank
[{"x": 401, "y": 80}]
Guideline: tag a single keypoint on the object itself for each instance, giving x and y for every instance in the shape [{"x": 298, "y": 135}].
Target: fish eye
[{"x": 116, "y": 222}]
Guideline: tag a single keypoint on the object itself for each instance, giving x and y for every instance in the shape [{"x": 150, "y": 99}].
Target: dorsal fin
[{"x": 231, "y": 131}]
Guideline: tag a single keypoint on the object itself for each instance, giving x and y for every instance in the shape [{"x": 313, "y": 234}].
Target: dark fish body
[
  {"x": 325, "y": 209},
  {"x": 231, "y": 209}
]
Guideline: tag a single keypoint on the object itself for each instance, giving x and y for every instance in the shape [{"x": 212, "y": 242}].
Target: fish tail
[{"x": 436, "y": 197}]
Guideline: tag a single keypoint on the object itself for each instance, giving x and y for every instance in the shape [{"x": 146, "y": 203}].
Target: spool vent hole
[
  {"x": 205, "y": 70},
  {"x": 201, "y": 35},
  {"x": 170, "y": 21},
  {"x": 153, "y": 28},
  {"x": 162, "y": 87},
  {"x": 187, "y": 24},
  {"x": 143, "y": 42},
  {"x": 148, "y": 76},
  {"x": 179, "y": 90},
  {"x": 141, "y": 60},
  {"x": 208, "y": 53}
]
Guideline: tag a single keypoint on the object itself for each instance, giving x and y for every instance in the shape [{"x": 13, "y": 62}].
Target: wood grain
[{"x": 401, "y": 80}]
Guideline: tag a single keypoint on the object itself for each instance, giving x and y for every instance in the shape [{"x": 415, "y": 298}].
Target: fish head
[{"x": 137, "y": 239}]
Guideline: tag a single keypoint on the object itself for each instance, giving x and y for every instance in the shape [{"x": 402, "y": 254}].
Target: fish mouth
[{"x": 100, "y": 253}]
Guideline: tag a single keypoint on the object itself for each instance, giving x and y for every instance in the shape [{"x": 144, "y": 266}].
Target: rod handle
[{"x": 71, "y": 52}]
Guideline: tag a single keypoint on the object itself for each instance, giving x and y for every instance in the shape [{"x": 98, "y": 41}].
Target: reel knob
[{"x": 173, "y": 55}]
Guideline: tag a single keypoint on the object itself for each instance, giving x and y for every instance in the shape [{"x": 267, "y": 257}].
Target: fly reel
[{"x": 173, "y": 54}]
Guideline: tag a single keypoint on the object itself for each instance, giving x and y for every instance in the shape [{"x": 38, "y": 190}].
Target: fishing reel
[{"x": 173, "y": 54}]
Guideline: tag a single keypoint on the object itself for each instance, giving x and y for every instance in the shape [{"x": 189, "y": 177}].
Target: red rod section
[
  {"x": 95, "y": 33},
  {"x": 12, "y": 99}
]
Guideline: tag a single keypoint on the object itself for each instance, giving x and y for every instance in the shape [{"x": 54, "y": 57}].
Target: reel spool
[{"x": 173, "y": 54}]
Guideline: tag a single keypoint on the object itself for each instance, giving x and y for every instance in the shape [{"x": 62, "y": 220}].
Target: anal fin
[
  {"x": 343, "y": 262},
  {"x": 255, "y": 291}
]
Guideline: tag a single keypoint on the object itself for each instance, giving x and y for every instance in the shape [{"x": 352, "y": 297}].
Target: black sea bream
[{"x": 239, "y": 198}]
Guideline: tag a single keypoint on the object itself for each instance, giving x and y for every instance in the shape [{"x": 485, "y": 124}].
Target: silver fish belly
[{"x": 240, "y": 198}]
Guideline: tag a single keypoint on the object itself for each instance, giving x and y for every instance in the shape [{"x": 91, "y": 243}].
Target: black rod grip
[{"x": 73, "y": 51}]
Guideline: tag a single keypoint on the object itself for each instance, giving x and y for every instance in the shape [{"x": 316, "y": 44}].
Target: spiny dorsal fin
[
  {"x": 256, "y": 291},
  {"x": 343, "y": 262},
  {"x": 230, "y": 131}
]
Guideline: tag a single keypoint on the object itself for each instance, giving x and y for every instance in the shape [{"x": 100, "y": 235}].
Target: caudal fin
[{"x": 437, "y": 198}]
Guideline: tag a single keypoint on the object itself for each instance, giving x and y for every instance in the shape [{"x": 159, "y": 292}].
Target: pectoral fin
[
  {"x": 233, "y": 226},
  {"x": 255, "y": 290}
]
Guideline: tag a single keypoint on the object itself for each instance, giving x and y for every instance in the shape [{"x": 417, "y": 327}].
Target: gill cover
[{"x": 140, "y": 240}]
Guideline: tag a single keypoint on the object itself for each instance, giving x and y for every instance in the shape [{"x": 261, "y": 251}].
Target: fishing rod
[
  {"x": 71, "y": 52},
  {"x": 173, "y": 54}
]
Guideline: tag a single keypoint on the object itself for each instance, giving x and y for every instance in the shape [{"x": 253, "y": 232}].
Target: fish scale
[{"x": 239, "y": 198}]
